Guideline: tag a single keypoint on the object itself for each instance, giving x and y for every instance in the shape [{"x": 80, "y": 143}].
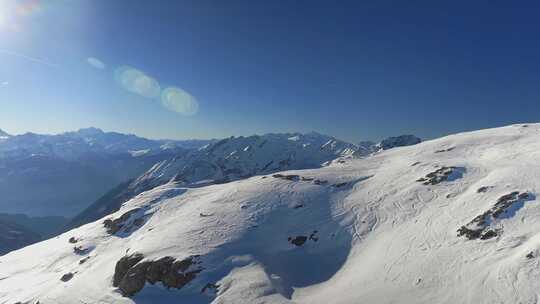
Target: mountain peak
[
  {"x": 90, "y": 131},
  {"x": 4, "y": 133},
  {"x": 399, "y": 141}
]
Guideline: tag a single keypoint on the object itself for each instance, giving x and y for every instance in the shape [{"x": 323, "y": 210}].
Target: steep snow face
[{"x": 452, "y": 220}]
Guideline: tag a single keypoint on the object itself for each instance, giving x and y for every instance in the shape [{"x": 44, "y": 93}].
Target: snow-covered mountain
[
  {"x": 366, "y": 148},
  {"x": 3, "y": 135},
  {"x": 226, "y": 160},
  {"x": 451, "y": 220},
  {"x": 63, "y": 174},
  {"x": 240, "y": 157},
  {"x": 79, "y": 144}
]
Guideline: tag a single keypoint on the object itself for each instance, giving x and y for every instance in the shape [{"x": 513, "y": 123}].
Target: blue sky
[{"x": 353, "y": 69}]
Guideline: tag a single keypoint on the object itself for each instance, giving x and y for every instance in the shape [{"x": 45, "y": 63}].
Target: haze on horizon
[{"x": 210, "y": 69}]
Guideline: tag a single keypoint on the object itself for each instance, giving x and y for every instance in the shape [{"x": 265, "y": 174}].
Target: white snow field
[{"x": 382, "y": 229}]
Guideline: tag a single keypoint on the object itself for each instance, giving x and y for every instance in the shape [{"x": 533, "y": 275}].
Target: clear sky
[{"x": 199, "y": 69}]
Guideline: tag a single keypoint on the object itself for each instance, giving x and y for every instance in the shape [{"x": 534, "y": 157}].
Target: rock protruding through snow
[
  {"x": 132, "y": 272},
  {"x": 484, "y": 226}
]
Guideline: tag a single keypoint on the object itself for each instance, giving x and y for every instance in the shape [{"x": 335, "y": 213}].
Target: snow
[
  {"x": 379, "y": 235},
  {"x": 240, "y": 157}
]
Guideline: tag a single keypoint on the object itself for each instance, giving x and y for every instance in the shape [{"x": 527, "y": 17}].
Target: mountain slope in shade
[
  {"x": 226, "y": 160},
  {"x": 366, "y": 148},
  {"x": 452, "y": 220},
  {"x": 14, "y": 236},
  {"x": 61, "y": 175}
]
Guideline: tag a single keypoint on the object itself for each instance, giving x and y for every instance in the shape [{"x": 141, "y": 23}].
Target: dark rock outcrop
[
  {"x": 131, "y": 272},
  {"x": 399, "y": 141},
  {"x": 302, "y": 239},
  {"x": 441, "y": 175},
  {"x": 445, "y": 150},
  {"x": 66, "y": 277},
  {"x": 127, "y": 222},
  {"x": 298, "y": 240},
  {"x": 482, "y": 227},
  {"x": 291, "y": 177}
]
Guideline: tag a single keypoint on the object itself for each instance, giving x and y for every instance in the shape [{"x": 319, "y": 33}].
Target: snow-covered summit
[
  {"x": 451, "y": 220},
  {"x": 398, "y": 141},
  {"x": 4, "y": 135},
  {"x": 240, "y": 157},
  {"x": 366, "y": 148},
  {"x": 227, "y": 160},
  {"x": 81, "y": 143}
]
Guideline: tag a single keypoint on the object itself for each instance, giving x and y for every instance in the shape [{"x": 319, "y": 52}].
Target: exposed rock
[
  {"x": 80, "y": 250},
  {"x": 483, "y": 189},
  {"x": 302, "y": 239},
  {"x": 298, "y": 240},
  {"x": 483, "y": 226},
  {"x": 530, "y": 255},
  {"x": 127, "y": 222},
  {"x": 445, "y": 150},
  {"x": 320, "y": 182},
  {"x": 210, "y": 289},
  {"x": 313, "y": 236},
  {"x": 134, "y": 279},
  {"x": 123, "y": 265},
  {"x": 442, "y": 174},
  {"x": 415, "y": 163},
  {"x": 131, "y": 272},
  {"x": 66, "y": 277},
  {"x": 82, "y": 261},
  {"x": 73, "y": 240},
  {"x": 398, "y": 141},
  {"x": 291, "y": 177}
]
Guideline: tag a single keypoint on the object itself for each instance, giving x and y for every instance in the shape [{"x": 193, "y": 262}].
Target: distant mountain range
[{"x": 62, "y": 174}]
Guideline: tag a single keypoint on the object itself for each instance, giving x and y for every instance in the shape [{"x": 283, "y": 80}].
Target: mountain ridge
[{"x": 390, "y": 225}]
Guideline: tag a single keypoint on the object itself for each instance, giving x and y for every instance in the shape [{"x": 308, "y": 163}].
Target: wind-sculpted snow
[{"x": 362, "y": 231}]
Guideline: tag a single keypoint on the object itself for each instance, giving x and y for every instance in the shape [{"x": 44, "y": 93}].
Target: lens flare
[
  {"x": 179, "y": 101},
  {"x": 137, "y": 82}
]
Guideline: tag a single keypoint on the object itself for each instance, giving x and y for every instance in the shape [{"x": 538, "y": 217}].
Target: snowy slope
[
  {"x": 226, "y": 160},
  {"x": 382, "y": 229}
]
